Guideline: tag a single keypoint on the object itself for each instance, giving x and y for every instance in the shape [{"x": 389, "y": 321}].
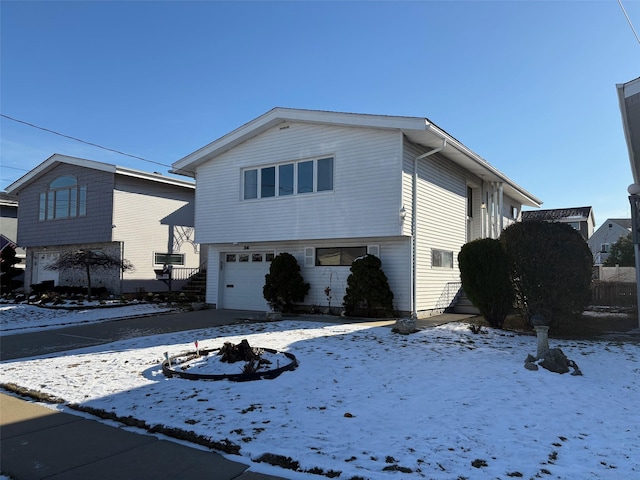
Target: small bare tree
[{"x": 89, "y": 260}]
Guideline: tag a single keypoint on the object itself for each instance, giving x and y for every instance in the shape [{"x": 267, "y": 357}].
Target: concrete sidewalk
[{"x": 39, "y": 443}]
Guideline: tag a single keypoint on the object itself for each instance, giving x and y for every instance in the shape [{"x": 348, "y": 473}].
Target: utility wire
[
  {"x": 15, "y": 168},
  {"x": 629, "y": 20},
  {"x": 82, "y": 141}
]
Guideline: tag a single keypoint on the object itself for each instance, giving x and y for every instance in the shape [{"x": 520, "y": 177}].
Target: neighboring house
[
  {"x": 69, "y": 203},
  {"x": 606, "y": 235},
  {"x": 580, "y": 218},
  {"x": 330, "y": 187},
  {"x": 9, "y": 227}
]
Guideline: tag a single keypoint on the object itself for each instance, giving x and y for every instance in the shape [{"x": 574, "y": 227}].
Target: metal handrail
[{"x": 182, "y": 273}]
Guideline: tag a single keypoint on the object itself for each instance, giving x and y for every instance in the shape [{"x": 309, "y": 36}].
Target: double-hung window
[
  {"x": 64, "y": 199},
  {"x": 293, "y": 178}
]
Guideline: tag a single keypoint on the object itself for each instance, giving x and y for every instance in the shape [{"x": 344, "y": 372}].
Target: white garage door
[
  {"x": 41, "y": 260},
  {"x": 243, "y": 279}
]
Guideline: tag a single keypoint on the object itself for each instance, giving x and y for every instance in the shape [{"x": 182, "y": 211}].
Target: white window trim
[
  {"x": 155, "y": 254},
  {"x": 309, "y": 256},
  {"x": 373, "y": 250},
  {"x": 295, "y": 164}
]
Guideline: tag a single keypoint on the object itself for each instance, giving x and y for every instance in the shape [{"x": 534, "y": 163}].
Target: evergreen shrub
[
  {"x": 484, "y": 271},
  {"x": 551, "y": 270},
  {"x": 284, "y": 285},
  {"x": 368, "y": 288}
]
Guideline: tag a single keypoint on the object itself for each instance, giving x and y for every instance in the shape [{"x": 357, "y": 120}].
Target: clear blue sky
[{"x": 530, "y": 86}]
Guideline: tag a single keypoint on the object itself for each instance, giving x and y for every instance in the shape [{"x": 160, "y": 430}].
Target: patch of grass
[
  {"x": 226, "y": 445},
  {"x": 278, "y": 461},
  {"x": 514, "y": 474},
  {"x": 397, "y": 468},
  {"x": 479, "y": 463},
  {"x": 33, "y": 394}
]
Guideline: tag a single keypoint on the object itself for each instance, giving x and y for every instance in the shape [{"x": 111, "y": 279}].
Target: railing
[{"x": 181, "y": 273}]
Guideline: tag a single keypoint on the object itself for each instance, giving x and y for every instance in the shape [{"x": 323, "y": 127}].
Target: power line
[
  {"x": 82, "y": 141},
  {"x": 15, "y": 168},
  {"x": 629, "y": 20}
]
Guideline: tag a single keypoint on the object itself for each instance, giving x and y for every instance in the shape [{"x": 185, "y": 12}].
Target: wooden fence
[{"x": 615, "y": 294}]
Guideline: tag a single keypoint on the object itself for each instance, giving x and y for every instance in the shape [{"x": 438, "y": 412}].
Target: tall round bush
[
  {"x": 484, "y": 271},
  {"x": 551, "y": 269}
]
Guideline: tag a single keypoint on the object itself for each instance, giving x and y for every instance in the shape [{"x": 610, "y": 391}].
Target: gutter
[{"x": 414, "y": 224}]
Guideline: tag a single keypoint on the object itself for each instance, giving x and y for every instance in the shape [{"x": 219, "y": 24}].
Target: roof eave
[
  {"x": 417, "y": 129},
  {"x": 56, "y": 158},
  {"x": 626, "y": 90}
]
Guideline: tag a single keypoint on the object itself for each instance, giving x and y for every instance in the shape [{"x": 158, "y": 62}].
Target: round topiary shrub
[
  {"x": 551, "y": 269},
  {"x": 368, "y": 288},
  {"x": 284, "y": 285},
  {"x": 484, "y": 271}
]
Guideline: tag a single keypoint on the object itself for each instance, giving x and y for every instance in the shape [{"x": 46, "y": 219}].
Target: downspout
[
  {"x": 414, "y": 225},
  {"x": 500, "y": 209}
]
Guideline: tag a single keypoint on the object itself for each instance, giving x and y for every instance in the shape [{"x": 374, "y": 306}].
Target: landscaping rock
[
  {"x": 242, "y": 352},
  {"x": 555, "y": 361},
  {"x": 405, "y": 325}
]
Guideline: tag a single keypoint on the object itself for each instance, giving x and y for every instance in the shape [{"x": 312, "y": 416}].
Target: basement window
[{"x": 441, "y": 258}]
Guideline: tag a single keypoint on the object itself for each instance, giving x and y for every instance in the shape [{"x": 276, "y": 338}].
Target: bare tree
[{"x": 89, "y": 260}]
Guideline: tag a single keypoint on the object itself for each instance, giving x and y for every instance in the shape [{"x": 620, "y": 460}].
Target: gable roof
[
  {"x": 57, "y": 159},
  {"x": 622, "y": 222},
  {"x": 574, "y": 214},
  {"x": 420, "y": 131}
]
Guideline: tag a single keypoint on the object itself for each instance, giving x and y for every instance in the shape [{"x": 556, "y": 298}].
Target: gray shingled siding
[{"x": 94, "y": 227}]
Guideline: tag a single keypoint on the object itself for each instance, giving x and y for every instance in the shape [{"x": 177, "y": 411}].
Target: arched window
[{"x": 63, "y": 199}]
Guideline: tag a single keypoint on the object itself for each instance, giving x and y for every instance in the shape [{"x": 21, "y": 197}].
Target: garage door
[
  {"x": 243, "y": 279},
  {"x": 41, "y": 260}
]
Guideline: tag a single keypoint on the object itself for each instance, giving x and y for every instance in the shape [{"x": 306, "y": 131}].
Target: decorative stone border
[{"x": 169, "y": 370}]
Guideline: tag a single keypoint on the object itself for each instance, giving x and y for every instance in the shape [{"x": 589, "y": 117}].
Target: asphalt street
[{"x": 86, "y": 335}]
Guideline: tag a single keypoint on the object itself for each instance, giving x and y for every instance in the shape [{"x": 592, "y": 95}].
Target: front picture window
[
  {"x": 64, "y": 199},
  {"x": 339, "y": 256},
  {"x": 305, "y": 176}
]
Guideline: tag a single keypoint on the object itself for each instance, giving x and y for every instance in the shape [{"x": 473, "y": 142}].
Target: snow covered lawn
[
  {"x": 439, "y": 404},
  {"x": 22, "y": 318}
]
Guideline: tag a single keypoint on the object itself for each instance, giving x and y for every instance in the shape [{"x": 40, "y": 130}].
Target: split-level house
[
  {"x": 69, "y": 203},
  {"x": 581, "y": 219},
  {"x": 330, "y": 187}
]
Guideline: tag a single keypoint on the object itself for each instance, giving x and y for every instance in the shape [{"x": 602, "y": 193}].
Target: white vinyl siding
[
  {"x": 441, "y": 225},
  {"x": 394, "y": 254},
  {"x": 138, "y": 224},
  {"x": 364, "y": 201}
]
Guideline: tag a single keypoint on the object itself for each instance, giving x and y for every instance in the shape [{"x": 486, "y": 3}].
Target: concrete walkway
[{"x": 39, "y": 443}]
